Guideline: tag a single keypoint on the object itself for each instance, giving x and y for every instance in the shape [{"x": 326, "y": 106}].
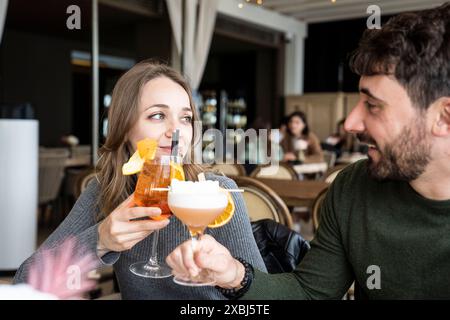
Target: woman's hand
[
  {"x": 117, "y": 233},
  {"x": 210, "y": 255},
  {"x": 289, "y": 156}
]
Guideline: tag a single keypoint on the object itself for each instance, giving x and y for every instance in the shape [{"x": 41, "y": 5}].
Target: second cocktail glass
[{"x": 197, "y": 204}]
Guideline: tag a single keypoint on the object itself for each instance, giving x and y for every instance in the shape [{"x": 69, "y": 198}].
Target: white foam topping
[
  {"x": 194, "y": 187},
  {"x": 196, "y": 195}
]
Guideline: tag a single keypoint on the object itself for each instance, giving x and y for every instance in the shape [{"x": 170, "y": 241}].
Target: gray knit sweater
[{"x": 236, "y": 236}]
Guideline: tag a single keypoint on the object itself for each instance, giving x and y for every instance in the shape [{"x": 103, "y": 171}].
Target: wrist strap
[{"x": 233, "y": 294}]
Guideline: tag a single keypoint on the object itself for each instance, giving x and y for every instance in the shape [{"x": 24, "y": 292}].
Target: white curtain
[
  {"x": 200, "y": 18},
  {"x": 3, "y": 10},
  {"x": 175, "y": 13}
]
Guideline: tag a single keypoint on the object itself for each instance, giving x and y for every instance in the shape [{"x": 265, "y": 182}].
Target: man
[{"x": 385, "y": 222}]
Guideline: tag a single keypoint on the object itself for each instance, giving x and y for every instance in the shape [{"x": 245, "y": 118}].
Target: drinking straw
[{"x": 175, "y": 141}]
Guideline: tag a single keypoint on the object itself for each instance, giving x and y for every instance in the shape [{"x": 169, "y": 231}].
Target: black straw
[{"x": 175, "y": 141}]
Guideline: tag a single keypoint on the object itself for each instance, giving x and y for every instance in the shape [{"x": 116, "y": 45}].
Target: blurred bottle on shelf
[
  {"x": 209, "y": 110},
  {"x": 237, "y": 113}
]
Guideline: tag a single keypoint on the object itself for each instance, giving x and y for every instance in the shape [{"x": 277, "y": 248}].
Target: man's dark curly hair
[{"x": 415, "y": 49}]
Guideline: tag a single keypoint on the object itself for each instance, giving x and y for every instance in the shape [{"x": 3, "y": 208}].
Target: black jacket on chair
[{"x": 281, "y": 248}]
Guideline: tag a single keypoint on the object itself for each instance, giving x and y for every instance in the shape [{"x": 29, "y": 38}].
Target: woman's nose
[{"x": 172, "y": 125}]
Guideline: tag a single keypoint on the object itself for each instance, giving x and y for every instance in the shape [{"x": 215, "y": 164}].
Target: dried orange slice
[
  {"x": 147, "y": 148},
  {"x": 134, "y": 165},
  {"x": 226, "y": 215},
  {"x": 176, "y": 171}
]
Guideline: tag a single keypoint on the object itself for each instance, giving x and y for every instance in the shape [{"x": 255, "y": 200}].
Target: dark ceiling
[{"x": 49, "y": 17}]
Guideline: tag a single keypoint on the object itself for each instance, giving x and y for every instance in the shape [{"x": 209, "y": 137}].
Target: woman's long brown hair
[{"x": 123, "y": 114}]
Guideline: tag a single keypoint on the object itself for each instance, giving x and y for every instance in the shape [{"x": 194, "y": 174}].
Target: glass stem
[
  {"x": 195, "y": 237},
  {"x": 153, "y": 261}
]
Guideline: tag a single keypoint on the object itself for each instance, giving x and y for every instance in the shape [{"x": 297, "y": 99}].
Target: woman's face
[
  {"x": 163, "y": 107},
  {"x": 296, "y": 126}
]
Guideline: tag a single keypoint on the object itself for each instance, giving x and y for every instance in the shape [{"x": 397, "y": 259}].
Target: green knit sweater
[{"x": 390, "y": 240}]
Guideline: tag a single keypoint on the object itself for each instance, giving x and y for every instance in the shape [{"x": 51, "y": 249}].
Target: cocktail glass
[
  {"x": 155, "y": 174},
  {"x": 196, "y": 204}
]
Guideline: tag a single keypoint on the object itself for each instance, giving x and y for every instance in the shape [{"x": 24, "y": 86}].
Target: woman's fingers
[
  {"x": 127, "y": 203},
  {"x": 138, "y": 212},
  {"x": 129, "y": 227},
  {"x": 132, "y": 237}
]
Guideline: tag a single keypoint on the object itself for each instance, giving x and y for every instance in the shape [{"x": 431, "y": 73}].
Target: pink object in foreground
[{"x": 63, "y": 273}]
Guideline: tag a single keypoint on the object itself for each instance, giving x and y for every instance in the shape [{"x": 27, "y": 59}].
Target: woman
[
  {"x": 149, "y": 101},
  {"x": 300, "y": 144}
]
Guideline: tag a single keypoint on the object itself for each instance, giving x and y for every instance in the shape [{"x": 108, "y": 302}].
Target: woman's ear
[{"x": 441, "y": 125}]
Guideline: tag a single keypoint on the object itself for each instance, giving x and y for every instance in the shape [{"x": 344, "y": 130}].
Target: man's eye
[
  {"x": 156, "y": 116},
  {"x": 370, "y": 106}
]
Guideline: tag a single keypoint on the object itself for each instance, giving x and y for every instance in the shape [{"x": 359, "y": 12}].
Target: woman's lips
[{"x": 164, "y": 150}]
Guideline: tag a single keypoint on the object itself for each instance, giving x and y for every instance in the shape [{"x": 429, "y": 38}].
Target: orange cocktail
[{"x": 154, "y": 174}]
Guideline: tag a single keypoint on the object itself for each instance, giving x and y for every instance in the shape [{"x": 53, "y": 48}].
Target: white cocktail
[{"x": 196, "y": 204}]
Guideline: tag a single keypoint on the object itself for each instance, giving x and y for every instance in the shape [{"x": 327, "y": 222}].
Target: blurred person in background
[{"x": 299, "y": 143}]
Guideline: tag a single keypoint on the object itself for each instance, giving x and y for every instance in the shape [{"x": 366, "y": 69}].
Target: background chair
[
  {"x": 83, "y": 180},
  {"x": 229, "y": 170},
  {"x": 263, "y": 203},
  {"x": 332, "y": 173},
  {"x": 281, "y": 171},
  {"x": 316, "y": 208},
  {"x": 51, "y": 174}
]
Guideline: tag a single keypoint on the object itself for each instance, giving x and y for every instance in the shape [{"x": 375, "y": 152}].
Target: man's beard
[{"x": 406, "y": 158}]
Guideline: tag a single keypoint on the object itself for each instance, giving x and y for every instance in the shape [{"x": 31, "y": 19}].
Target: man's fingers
[
  {"x": 187, "y": 254},
  {"x": 175, "y": 261}
]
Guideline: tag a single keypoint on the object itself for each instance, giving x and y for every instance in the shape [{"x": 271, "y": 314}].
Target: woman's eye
[
  {"x": 156, "y": 116},
  {"x": 187, "y": 119}
]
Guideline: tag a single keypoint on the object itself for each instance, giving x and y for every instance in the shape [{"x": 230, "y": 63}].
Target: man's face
[{"x": 394, "y": 130}]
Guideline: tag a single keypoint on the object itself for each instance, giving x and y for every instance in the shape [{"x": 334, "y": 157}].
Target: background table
[{"x": 296, "y": 193}]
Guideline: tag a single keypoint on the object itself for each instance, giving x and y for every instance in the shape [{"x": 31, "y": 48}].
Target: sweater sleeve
[
  {"x": 79, "y": 224},
  {"x": 324, "y": 272},
  {"x": 237, "y": 235}
]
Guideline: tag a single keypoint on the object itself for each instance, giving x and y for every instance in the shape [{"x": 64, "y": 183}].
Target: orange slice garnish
[
  {"x": 227, "y": 213},
  {"x": 176, "y": 171},
  {"x": 134, "y": 165},
  {"x": 147, "y": 148}
]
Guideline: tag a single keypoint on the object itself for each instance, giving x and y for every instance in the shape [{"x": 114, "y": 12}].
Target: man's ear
[{"x": 441, "y": 125}]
